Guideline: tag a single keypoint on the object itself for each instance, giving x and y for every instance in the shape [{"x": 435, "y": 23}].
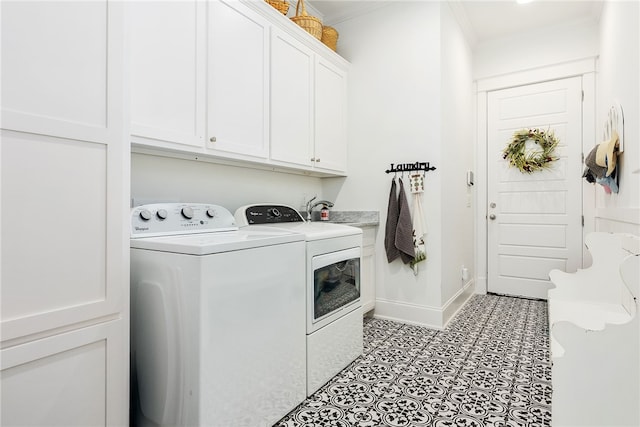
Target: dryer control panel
[
  {"x": 267, "y": 214},
  {"x": 167, "y": 219}
]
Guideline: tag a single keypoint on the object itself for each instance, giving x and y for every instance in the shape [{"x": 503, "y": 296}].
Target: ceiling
[{"x": 482, "y": 20}]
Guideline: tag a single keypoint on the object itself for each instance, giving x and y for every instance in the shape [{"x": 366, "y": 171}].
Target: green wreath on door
[{"x": 528, "y": 161}]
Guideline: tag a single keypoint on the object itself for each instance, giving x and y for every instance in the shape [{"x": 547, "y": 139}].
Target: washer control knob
[
  {"x": 161, "y": 214},
  {"x": 187, "y": 212},
  {"x": 145, "y": 215},
  {"x": 275, "y": 212},
  {"x": 211, "y": 212}
]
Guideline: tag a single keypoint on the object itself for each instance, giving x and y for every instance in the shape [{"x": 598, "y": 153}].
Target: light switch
[{"x": 469, "y": 178}]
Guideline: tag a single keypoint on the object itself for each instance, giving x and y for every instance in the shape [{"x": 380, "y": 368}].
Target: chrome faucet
[{"x": 311, "y": 205}]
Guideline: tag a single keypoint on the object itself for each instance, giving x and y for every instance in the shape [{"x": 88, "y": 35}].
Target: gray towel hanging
[
  {"x": 404, "y": 229},
  {"x": 391, "y": 224}
]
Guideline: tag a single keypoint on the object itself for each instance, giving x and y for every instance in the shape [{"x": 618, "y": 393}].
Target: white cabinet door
[
  {"x": 330, "y": 117},
  {"x": 57, "y": 59},
  {"x": 74, "y": 379},
  {"x": 291, "y": 100},
  {"x": 65, "y": 164},
  {"x": 167, "y": 57},
  {"x": 238, "y": 77},
  {"x": 368, "y": 270}
]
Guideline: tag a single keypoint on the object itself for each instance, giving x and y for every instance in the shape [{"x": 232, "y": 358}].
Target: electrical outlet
[{"x": 465, "y": 273}]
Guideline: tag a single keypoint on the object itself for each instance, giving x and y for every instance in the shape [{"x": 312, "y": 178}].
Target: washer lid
[
  {"x": 317, "y": 230},
  {"x": 217, "y": 242}
]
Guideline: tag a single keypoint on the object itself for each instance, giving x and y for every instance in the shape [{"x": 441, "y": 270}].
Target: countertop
[{"x": 354, "y": 218}]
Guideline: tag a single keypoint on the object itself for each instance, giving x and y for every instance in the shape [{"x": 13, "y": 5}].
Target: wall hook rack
[
  {"x": 615, "y": 121},
  {"x": 410, "y": 167}
]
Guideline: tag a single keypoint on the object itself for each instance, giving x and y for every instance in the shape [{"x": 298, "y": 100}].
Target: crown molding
[
  {"x": 350, "y": 10},
  {"x": 460, "y": 14}
]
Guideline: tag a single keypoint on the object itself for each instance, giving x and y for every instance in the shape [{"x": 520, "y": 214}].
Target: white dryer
[
  {"x": 218, "y": 318},
  {"x": 334, "y": 307}
]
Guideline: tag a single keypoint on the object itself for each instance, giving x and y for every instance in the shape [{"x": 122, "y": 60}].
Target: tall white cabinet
[{"x": 64, "y": 190}]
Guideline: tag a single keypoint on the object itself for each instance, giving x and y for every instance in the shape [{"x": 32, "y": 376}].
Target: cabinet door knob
[
  {"x": 313, "y": 159},
  {"x": 212, "y": 139},
  {"x": 318, "y": 160},
  {"x": 492, "y": 217}
]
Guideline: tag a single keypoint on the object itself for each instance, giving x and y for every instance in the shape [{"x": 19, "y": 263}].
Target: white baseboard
[
  {"x": 414, "y": 314},
  {"x": 481, "y": 286},
  {"x": 422, "y": 315},
  {"x": 456, "y": 302}
]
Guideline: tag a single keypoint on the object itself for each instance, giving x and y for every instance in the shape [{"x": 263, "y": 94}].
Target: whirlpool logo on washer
[{"x": 141, "y": 228}]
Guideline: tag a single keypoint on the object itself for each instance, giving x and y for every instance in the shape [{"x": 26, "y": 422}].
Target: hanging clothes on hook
[
  {"x": 404, "y": 229},
  {"x": 391, "y": 224},
  {"x": 419, "y": 229}
]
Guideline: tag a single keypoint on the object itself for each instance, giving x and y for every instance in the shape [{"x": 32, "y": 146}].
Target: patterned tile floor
[{"x": 489, "y": 367}]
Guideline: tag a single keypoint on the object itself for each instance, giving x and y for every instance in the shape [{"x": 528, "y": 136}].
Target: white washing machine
[
  {"x": 218, "y": 318},
  {"x": 334, "y": 307}
]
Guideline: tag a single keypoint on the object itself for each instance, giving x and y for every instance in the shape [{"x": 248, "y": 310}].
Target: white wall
[
  {"x": 457, "y": 156},
  {"x": 397, "y": 115},
  {"x": 163, "y": 179},
  {"x": 619, "y": 79},
  {"x": 535, "y": 49}
]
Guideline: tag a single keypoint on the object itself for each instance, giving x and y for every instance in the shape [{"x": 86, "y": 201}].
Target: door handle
[{"x": 492, "y": 217}]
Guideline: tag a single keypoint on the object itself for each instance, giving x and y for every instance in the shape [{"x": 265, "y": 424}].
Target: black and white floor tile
[{"x": 489, "y": 368}]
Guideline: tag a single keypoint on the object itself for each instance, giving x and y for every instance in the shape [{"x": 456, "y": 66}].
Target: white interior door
[{"x": 534, "y": 220}]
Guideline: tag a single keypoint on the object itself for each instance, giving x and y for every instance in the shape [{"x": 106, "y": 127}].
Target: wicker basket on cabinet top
[
  {"x": 281, "y": 5},
  {"x": 330, "y": 37},
  {"x": 309, "y": 23}
]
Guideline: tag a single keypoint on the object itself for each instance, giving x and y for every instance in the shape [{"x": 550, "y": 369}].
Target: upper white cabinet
[
  {"x": 330, "y": 116},
  {"x": 64, "y": 189},
  {"x": 308, "y": 107},
  {"x": 168, "y": 87},
  {"x": 236, "y": 80},
  {"x": 292, "y": 90}
]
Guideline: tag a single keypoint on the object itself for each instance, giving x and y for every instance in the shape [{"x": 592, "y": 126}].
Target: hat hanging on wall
[
  {"x": 602, "y": 161},
  {"x": 607, "y": 153}
]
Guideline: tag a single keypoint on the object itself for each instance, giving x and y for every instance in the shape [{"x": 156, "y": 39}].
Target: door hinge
[
  {"x": 583, "y": 220},
  {"x": 583, "y": 96},
  {"x": 582, "y": 157}
]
